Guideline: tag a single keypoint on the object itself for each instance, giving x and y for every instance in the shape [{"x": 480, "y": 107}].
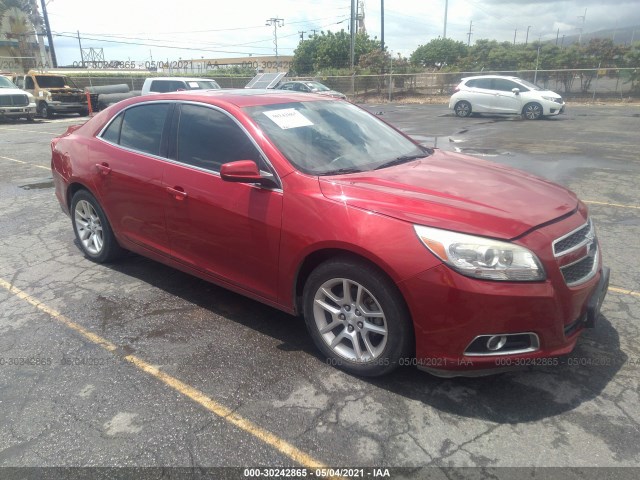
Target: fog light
[{"x": 496, "y": 342}]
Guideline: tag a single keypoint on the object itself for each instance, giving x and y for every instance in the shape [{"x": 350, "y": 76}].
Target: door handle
[
  {"x": 177, "y": 192},
  {"x": 103, "y": 168}
]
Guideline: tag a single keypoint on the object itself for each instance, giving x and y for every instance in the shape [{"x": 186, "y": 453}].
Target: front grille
[
  {"x": 572, "y": 241},
  {"x": 18, "y": 100},
  {"x": 583, "y": 268},
  {"x": 73, "y": 98}
]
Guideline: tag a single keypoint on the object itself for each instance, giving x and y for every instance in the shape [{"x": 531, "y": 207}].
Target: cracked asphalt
[{"x": 66, "y": 401}]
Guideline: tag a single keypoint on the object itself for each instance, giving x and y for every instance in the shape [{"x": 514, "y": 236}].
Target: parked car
[
  {"x": 392, "y": 252},
  {"x": 504, "y": 95},
  {"x": 176, "y": 84},
  {"x": 54, "y": 93},
  {"x": 310, "y": 87},
  {"x": 15, "y": 103}
]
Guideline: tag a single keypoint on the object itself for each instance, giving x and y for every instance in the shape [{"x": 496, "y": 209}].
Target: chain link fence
[{"x": 612, "y": 83}]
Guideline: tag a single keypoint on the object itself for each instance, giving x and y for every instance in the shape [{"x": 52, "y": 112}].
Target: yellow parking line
[
  {"x": 55, "y": 134},
  {"x": 194, "y": 394},
  {"x": 593, "y": 202},
  {"x": 24, "y": 163},
  {"x": 624, "y": 291}
]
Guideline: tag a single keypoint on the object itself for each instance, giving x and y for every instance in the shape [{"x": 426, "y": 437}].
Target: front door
[{"x": 228, "y": 230}]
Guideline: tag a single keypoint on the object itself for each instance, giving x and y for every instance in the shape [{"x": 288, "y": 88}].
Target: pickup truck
[{"x": 54, "y": 93}]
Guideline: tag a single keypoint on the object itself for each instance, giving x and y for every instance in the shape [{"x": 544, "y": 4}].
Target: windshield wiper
[
  {"x": 402, "y": 159},
  {"x": 339, "y": 171}
]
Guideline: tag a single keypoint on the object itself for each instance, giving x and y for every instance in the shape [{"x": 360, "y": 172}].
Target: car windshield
[
  {"x": 6, "y": 83},
  {"x": 317, "y": 87},
  {"x": 203, "y": 85},
  {"x": 51, "y": 81},
  {"x": 530, "y": 85},
  {"x": 330, "y": 137}
]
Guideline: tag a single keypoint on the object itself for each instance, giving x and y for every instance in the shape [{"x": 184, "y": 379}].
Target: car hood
[
  {"x": 15, "y": 91},
  {"x": 455, "y": 192}
]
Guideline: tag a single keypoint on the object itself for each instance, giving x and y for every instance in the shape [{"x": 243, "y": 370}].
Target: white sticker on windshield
[
  {"x": 193, "y": 84},
  {"x": 288, "y": 118}
]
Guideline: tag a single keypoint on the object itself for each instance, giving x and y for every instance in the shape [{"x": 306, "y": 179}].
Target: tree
[
  {"x": 438, "y": 52},
  {"x": 330, "y": 51}
]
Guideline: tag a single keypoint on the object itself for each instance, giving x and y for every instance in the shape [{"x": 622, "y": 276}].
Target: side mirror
[
  {"x": 516, "y": 91},
  {"x": 246, "y": 171}
]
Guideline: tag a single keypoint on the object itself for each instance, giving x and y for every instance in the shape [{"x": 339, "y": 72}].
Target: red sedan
[{"x": 392, "y": 252}]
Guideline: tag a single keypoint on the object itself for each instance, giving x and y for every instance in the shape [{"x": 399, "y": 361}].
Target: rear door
[
  {"x": 129, "y": 165},
  {"x": 228, "y": 230},
  {"x": 480, "y": 95}
]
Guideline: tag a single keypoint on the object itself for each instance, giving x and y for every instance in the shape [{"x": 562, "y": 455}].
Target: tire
[
  {"x": 45, "y": 111},
  {"x": 365, "y": 332},
  {"x": 532, "y": 111},
  {"x": 92, "y": 229},
  {"x": 462, "y": 109}
]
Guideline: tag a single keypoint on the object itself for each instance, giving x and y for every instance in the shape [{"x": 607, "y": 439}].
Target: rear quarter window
[{"x": 139, "y": 128}]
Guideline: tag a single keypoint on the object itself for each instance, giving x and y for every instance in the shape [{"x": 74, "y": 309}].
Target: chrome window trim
[
  {"x": 176, "y": 162},
  {"x": 590, "y": 237}
]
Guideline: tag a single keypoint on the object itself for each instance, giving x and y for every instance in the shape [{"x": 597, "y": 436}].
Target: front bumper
[
  {"x": 17, "y": 112},
  {"x": 465, "y": 326},
  {"x": 60, "y": 107}
]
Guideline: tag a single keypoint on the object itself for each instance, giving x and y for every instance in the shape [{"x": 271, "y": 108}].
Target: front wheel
[
  {"x": 92, "y": 229},
  {"x": 532, "y": 111},
  {"x": 357, "y": 317},
  {"x": 45, "y": 111}
]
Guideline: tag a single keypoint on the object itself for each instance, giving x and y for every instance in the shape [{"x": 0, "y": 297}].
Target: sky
[{"x": 215, "y": 29}]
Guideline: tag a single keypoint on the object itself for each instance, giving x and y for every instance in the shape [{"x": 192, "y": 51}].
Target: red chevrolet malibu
[{"x": 392, "y": 252}]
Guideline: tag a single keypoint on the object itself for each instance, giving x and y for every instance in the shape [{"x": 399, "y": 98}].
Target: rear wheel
[
  {"x": 92, "y": 228},
  {"x": 462, "y": 109},
  {"x": 532, "y": 111},
  {"x": 357, "y": 317}
]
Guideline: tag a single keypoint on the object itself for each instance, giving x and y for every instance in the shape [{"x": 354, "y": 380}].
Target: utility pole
[
  {"x": 301, "y": 35},
  {"x": 81, "y": 54},
  {"x": 382, "y": 25},
  {"x": 49, "y": 36},
  {"x": 276, "y": 22},
  {"x": 526, "y": 40},
  {"x": 584, "y": 19},
  {"x": 352, "y": 28},
  {"x": 514, "y": 36},
  {"x": 469, "y": 34},
  {"x": 446, "y": 9},
  {"x": 557, "y": 37}
]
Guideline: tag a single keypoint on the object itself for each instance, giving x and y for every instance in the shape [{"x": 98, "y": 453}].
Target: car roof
[
  {"x": 510, "y": 77},
  {"x": 186, "y": 79},
  {"x": 242, "y": 97}
]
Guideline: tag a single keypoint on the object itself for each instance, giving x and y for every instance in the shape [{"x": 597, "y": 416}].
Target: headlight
[
  {"x": 481, "y": 257},
  {"x": 551, "y": 99}
]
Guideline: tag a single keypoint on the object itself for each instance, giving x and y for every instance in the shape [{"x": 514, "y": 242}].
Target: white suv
[{"x": 504, "y": 95}]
